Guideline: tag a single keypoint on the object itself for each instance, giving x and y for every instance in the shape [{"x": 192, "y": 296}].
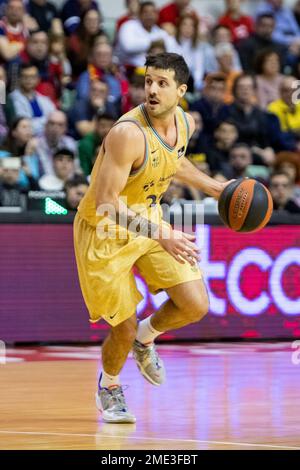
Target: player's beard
[{"x": 161, "y": 110}]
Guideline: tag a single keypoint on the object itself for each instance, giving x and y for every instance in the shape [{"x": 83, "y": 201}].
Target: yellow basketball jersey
[{"x": 147, "y": 184}]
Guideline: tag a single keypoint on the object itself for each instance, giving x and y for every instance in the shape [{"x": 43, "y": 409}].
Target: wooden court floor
[{"x": 217, "y": 396}]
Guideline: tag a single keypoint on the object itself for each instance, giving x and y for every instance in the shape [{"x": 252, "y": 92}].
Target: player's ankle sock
[
  {"x": 108, "y": 381},
  {"x": 146, "y": 334}
]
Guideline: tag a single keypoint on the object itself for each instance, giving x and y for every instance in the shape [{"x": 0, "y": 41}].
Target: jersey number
[{"x": 154, "y": 199}]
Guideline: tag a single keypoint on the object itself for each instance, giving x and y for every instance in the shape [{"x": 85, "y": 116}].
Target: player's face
[{"x": 162, "y": 91}]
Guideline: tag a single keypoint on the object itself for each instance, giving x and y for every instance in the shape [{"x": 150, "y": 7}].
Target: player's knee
[{"x": 197, "y": 309}]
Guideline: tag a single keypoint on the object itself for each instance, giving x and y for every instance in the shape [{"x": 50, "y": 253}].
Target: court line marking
[{"x": 139, "y": 438}]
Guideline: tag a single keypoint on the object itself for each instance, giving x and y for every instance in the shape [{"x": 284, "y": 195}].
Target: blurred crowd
[{"x": 68, "y": 77}]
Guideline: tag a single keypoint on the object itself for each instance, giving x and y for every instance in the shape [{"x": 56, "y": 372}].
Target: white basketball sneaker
[
  {"x": 111, "y": 403},
  {"x": 149, "y": 363}
]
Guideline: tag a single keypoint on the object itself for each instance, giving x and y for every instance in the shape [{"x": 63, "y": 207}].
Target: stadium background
[{"x": 40, "y": 299}]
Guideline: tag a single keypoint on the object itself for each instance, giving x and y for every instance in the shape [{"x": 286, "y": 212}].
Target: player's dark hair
[{"x": 170, "y": 61}]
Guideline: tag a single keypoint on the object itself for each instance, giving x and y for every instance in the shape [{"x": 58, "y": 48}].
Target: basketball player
[{"x": 140, "y": 156}]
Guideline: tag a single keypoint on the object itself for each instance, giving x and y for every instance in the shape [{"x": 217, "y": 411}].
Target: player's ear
[{"x": 182, "y": 90}]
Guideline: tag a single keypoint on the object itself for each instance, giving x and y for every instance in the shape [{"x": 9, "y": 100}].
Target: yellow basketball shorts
[{"x": 105, "y": 270}]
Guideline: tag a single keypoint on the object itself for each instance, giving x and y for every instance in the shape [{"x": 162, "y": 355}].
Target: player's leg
[
  {"x": 110, "y": 398},
  {"x": 110, "y": 292},
  {"x": 117, "y": 345},
  {"x": 188, "y": 303}
]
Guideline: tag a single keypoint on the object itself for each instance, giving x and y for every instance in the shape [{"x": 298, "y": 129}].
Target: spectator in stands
[
  {"x": 90, "y": 143},
  {"x": 13, "y": 32},
  {"x": 225, "y": 136},
  {"x": 261, "y": 39},
  {"x": 61, "y": 71},
  {"x": 132, "y": 52},
  {"x": 240, "y": 158},
  {"x": 287, "y": 31},
  {"x": 11, "y": 193},
  {"x": 81, "y": 42},
  {"x": 132, "y": 13},
  {"x": 53, "y": 138},
  {"x": 136, "y": 93},
  {"x": 251, "y": 121},
  {"x": 81, "y": 116},
  {"x": 72, "y": 12},
  {"x": 45, "y": 14},
  {"x": 224, "y": 53},
  {"x": 75, "y": 188},
  {"x": 63, "y": 170},
  {"x": 26, "y": 102},
  {"x": 20, "y": 133},
  {"x": 101, "y": 66},
  {"x": 289, "y": 163},
  {"x": 18, "y": 144},
  {"x": 281, "y": 188},
  {"x": 189, "y": 46},
  {"x": 287, "y": 107},
  {"x": 36, "y": 53},
  {"x": 211, "y": 105},
  {"x": 169, "y": 14},
  {"x": 197, "y": 147},
  {"x": 268, "y": 77},
  {"x": 221, "y": 35},
  {"x": 241, "y": 25}
]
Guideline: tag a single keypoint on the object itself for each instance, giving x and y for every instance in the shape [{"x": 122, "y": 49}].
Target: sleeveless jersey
[{"x": 146, "y": 185}]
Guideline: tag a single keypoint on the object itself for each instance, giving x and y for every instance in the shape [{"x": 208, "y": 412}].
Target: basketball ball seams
[
  {"x": 224, "y": 201},
  {"x": 240, "y": 204},
  {"x": 267, "y": 215},
  {"x": 256, "y": 213}
]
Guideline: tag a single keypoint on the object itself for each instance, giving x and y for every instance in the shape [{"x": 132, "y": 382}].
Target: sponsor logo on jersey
[{"x": 149, "y": 185}]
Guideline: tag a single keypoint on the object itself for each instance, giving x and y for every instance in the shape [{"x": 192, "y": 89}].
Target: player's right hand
[{"x": 181, "y": 246}]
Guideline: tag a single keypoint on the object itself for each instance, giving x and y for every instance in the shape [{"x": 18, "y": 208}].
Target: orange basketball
[{"x": 245, "y": 205}]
